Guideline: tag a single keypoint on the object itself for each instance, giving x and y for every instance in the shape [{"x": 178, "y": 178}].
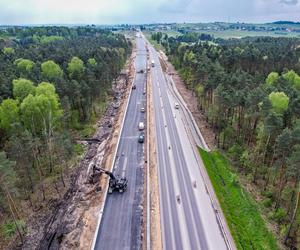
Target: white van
[{"x": 141, "y": 126}]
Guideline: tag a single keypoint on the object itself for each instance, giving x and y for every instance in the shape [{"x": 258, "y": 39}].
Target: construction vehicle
[{"x": 115, "y": 184}]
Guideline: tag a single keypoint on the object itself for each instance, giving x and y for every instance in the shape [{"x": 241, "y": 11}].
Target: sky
[{"x": 18, "y": 12}]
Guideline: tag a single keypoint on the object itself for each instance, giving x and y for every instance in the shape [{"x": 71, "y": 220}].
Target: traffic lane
[
  {"x": 169, "y": 213},
  {"x": 212, "y": 230},
  {"x": 114, "y": 218},
  {"x": 170, "y": 217},
  {"x": 119, "y": 221},
  {"x": 192, "y": 239},
  {"x": 186, "y": 189},
  {"x": 213, "y": 233},
  {"x": 196, "y": 230}
]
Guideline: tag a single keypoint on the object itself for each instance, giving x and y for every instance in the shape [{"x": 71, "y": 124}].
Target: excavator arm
[{"x": 115, "y": 184}]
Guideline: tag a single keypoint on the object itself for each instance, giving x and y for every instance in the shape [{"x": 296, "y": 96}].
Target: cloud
[
  {"x": 145, "y": 11},
  {"x": 177, "y": 6},
  {"x": 289, "y": 2}
]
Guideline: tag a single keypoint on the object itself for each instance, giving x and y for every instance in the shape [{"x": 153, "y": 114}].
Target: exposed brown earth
[{"x": 156, "y": 240}]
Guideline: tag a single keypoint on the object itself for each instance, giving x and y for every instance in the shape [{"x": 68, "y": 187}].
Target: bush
[
  {"x": 78, "y": 149},
  {"x": 269, "y": 194},
  {"x": 267, "y": 202},
  {"x": 235, "y": 152},
  {"x": 279, "y": 215},
  {"x": 9, "y": 228}
]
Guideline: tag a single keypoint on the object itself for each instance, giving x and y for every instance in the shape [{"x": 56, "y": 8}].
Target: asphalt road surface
[
  {"x": 188, "y": 218},
  {"x": 120, "y": 226}
]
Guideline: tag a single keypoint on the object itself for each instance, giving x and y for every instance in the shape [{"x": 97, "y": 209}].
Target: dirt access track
[{"x": 72, "y": 222}]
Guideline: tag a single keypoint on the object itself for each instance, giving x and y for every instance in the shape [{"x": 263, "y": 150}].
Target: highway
[
  {"x": 188, "y": 217},
  {"x": 120, "y": 226}
]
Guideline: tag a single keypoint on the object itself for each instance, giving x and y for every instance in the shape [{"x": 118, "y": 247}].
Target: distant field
[
  {"x": 226, "y": 34},
  {"x": 242, "y": 214},
  {"x": 239, "y": 34}
]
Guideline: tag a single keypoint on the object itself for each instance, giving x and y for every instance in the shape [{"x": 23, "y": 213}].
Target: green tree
[
  {"x": 92, "y": 62},
  {"x": 51, "y": 70},
  {"x": 22, "y": 88},
  {"x": 8, "y": 51},
  {"x": 279, "y": 102},
  {"x": 41, "y": 113},
  {"x": 75, "y": 67},
  {"x": 272, "y": 78},
  {"x": 8, "y": 186},
  {"x": 290, "y": 76},
  {"x": 24, "y": 65},
  {"x": 9, "y": 114}
]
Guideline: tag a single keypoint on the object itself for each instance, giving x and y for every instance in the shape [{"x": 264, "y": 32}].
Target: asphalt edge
[{"x": 114, "y": 158}]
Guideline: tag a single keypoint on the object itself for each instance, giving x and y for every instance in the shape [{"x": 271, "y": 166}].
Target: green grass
[
  {"x": 242, "y": 214},
  {"x": 156, "y": 45}
]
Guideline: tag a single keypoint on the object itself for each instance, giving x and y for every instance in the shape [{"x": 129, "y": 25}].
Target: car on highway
[
  {"x": 141, "y": 138},
  {"x": 141, "y": 126},
  {"x": 134, "y": 86},
  {"x": 176, "y": 105},
  {"x": 142, "y": 109}
]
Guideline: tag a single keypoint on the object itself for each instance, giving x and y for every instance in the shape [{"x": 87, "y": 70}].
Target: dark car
[
  {"x": 141, "y": 138},
  {"x": 134, "y": 87}
]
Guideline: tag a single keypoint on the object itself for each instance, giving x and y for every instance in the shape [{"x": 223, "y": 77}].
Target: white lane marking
[
  {"x": 124, "y": 167},
  {"x": 180, "y": 211},
  {"x": 163, "y": 184},
  {"x": 215, "y": 241}
]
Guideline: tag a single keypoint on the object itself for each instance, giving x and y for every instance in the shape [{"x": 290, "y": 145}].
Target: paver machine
[{"x": 115, "y": 184}]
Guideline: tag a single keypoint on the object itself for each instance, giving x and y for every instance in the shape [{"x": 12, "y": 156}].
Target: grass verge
[
  {"x": 156, "y": 45},
  {"x": 242, "y": 214}
]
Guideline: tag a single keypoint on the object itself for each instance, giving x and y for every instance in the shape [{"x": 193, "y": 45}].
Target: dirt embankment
[
  {"x": 70, "y": 223},
  {"x": 191, "y": 101}
]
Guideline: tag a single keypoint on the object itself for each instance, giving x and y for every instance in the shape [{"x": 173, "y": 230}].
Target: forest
[
  {"x": 249, "y": 91},
  {"x": 54, "y": 82}
]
